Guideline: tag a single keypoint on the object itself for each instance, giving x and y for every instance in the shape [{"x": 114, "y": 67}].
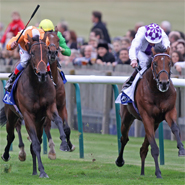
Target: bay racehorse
[
  {"x": 155, "y": 99},
  {"x": 35, "y": 97}
]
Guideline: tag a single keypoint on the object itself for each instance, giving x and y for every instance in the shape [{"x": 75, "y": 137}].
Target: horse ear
[
  {"x": 29, "y": 39},
  {"x": 56, "y": 29},
  {"x": 29, "y": 43},
  {"x": 47, "y": 41},
  {"x": 153, "y": 51},
  {"x": 168, "y": 50}
]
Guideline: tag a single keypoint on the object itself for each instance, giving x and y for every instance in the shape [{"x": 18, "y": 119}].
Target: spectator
[
  {"x": 97, "y": 21},
  {"x": 130, "y": 34},
  {"x": 179, "y": 66},
  {"x": 15, "y": 26},
  {"x": 87, "y": 57},
  {"x": 97, "y": 33},
  {"x": 125, "y": 43},
  {"x": 176, "y": 57},
  {"x": 1, "y": 30},
  {"x": 74, "y": 54},
  {"x": 166, "y": 26},
  {"x": 62, "y": 27},
  {"x": 173, "y": 46},
  {"x": 174, "y": 36},
  {"x": 181, "y": 47},
  {"x": 138, "y": 25},
  {"x": 124, "y": 56},
  {"x": 104, "y": 56},
  {"x": 71, "y": 39},
  {"x": 116, "y": 48},
  {"x": 93, "y": 41}
]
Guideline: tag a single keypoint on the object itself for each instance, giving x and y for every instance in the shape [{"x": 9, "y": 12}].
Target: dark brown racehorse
[
  {"x": 155, "y": 99},
  {"x": 35, "y": 97}
]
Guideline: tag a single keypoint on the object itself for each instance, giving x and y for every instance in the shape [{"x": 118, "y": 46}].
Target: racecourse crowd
[{"x": 100, "y": 47}]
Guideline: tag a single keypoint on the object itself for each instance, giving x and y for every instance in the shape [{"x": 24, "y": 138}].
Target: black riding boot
[
  {"x": 10, "y": 82},
  {"x": 128, "y": 83},
  {"x": 49, "y": 72}
]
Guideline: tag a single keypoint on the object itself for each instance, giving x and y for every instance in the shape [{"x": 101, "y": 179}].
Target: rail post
[
  {"x": 79, "y": 117},
  {"x": 161, "y": 144},
  {"x": 118, "y": 119}
]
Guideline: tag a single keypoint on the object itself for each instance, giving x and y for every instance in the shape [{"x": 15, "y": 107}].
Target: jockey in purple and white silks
[{"x": 145, "y": 38}]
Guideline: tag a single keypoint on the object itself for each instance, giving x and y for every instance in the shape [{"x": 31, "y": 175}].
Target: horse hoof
[
  {"x": 181, "y": 153},
  {"x": 52, "y": 156},
  {"x": 64, "y": 147},
  {"x": 43, "y": 175},
  {"x": 34, "y": 173},
  {"x": 22, "y": 156},
  {"x": 72, "y": 148},
  {"x": 6, "y": 160},
  {"x": 120, "y": 164},
  {"x": 159, "y": 176}
]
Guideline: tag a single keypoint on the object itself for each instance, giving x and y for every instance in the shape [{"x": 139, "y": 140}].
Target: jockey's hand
[
  {"x": 61, "y": 49},
  {"x": 14, "y": 45},
  {"x": 134, "y": 63}
]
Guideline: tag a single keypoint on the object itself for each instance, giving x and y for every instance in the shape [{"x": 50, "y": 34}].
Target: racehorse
[
  {"x": 35, "y": 97},
  {"x": 155, "y": 99}
]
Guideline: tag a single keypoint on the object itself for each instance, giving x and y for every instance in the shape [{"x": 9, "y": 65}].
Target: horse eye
[
  {"x": 169, "y": 64},
  {"x": 155, "y": 64}
]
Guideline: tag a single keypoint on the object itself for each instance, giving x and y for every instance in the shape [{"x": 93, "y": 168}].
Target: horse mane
[{"x": 159, "y": 48}]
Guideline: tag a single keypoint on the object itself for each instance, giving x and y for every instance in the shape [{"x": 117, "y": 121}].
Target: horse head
[
  {"x": 161, "y": 67},
  {"x": 52, "y": 41},
  {"x": 39, "y": 57}
]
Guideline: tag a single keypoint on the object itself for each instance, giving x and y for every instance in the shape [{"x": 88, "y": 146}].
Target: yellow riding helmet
[{"x": 46, "y": 25}]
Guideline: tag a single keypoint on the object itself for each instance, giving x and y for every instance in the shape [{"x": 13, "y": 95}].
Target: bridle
[
  {"x": 51, "y": 60},
  {"x": 155, "y": 75},
  {"x": 35, "y": 69}
]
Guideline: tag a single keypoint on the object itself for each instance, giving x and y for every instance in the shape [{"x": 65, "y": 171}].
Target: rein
[{"x": 155, "y": 75}]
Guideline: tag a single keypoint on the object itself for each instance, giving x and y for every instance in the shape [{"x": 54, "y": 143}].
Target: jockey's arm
[
  {"x": 12, "y": 44},
  {"x": 62, "y": 43},
  {"x": 165, "y": 40}
]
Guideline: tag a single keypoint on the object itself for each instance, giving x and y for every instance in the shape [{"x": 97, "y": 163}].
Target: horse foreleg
[
  {"x": 150, "y": 133},
  {"x": 22, "y": 153},
  {"x": 144, "y": 151},
  {"x": 171, "y": 120},
  {"x": 47, "y": 128},
  {"x": 67, "y": 130},
  {"x": 126, "y": 121},
  {"x": 34, "y": 160},
  {"x": 10, "y": 138}
]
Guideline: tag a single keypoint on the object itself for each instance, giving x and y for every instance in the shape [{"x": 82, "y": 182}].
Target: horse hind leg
[
  {"x": 22, "y": 153},
  {"x": 126, "y": 121}
]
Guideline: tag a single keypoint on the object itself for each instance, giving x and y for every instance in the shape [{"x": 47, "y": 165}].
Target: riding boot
[
  {"x": 49, "y": 72},
  {"x": 128, "y": 83},
  {"x": 10, "y": 82}
]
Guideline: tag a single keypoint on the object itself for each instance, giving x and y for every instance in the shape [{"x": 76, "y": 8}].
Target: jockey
[
  {"x": 24, "y": 55},
  {"x": 146, "y": 38},
  {"x": 48, "y": 26}
]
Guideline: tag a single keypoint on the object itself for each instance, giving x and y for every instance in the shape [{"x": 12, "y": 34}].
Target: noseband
[
  {"x": 41, "y": 61},
  {"x": 155, "y": 75}
]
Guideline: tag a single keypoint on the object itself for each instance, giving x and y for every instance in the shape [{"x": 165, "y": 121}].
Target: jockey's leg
[
  {"x": 24, "y": 57},
  {"x": 50, "y": 74}
]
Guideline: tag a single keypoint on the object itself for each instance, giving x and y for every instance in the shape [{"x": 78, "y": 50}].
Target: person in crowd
[
  {"x": 176, "y": 56},
  {"x": 97, "y": 23},
  {"x": 1, "y": 30},
  {"x": 166, "y": 26},
  {"x": 174, "y": 36},
  {"x": 97, "y": 33},
  {"x": 138, "y": 25},
  {"x": 179, "y": 66},
  {"x": 116, "y": 48},
  {"x": 103, "y": 54},
  {"x": 93, "y": 41},
  {"x": 124, "y": 56},
  {"x": 181, "y": 47},
  {"x": 71, "y": 39},
  {"x": 87, "y": 57},
  {"x": 74, "y": 54},
  {"x": 130, "y": 34},
  {"x": 125, "y": 42},
  {"x": 15, "y": 26},
  {"x": 62, "y": 27}
]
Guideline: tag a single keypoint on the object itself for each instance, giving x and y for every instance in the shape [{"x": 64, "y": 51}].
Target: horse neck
[{"x": 54, "y": 71}]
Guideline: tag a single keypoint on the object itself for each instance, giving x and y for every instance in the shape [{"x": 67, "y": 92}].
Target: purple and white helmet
[{"x": 153, "y": 33}]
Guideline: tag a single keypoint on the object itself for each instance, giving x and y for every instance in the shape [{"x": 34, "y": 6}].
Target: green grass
[
  {"x": 68, "y": 168},
  {"x": 120, "y": 16}
]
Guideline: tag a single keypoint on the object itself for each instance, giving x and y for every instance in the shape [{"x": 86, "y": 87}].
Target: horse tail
[{"x": 3, "y": 118}]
